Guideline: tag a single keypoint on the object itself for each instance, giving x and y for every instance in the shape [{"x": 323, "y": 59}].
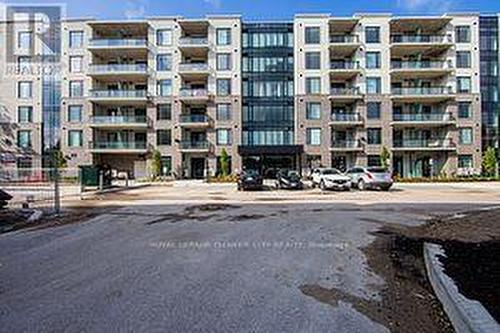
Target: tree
[
  {"x": 224, "y": 162},
  {"x": 156, "y": 166},
  {"x": 385, "y": 156},
  {"x": 489, "y": 161}
]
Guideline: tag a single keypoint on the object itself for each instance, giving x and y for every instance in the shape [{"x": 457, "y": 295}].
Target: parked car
[
  {"x": 330, "y": 178},
  {"x": 4, "y": 198},
  {"x": 288, "y": 179},
  {"x": 370, "y": 178},
  {"x": 250, "y": 180}
]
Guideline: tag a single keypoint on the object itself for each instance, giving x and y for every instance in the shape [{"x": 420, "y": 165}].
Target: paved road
[{"x": 183, "y": 267}]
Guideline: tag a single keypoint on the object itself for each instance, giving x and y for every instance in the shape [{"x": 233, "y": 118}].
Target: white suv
[{"x": 329, "y": 178}]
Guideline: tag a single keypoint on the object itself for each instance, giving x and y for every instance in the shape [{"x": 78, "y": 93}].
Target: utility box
[{"x": 89, "y": 175}]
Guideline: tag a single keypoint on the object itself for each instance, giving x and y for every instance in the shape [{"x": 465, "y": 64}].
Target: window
[
  {"x": 164, "y": 87},
  {"x": 75, "y": 138},
  {"x": 313, "y": 85},
  {"x": 164, "y": 37},
  {"x": 223, "y": 87},
  {"x": 373, "y": 85},
  {"x": 462, "y": 34},
  {"x": 75, "y": 39},
  {"x": 465, "y": 136},
  {"x": 463, "y": 59},
  {"x": 164, "y": 62},
  {"x": 75, "y": 64},
  {"x": 223, "y": 61},
  {"x": 166, "y": 166},
  {"x": 464, "y": 84},
  {"x": 464, "y": 110},
  {"x": 24, "y": 89},
  {"x": 465, "y": 161},
  {"x": 24, "y": 65},
  {"x": 25, "y": 114},
  {"x": 313, "y": 111},
  {"x": 372, "y": 34},
  {"x": 312, "y": 35},
  {"x": 372, "y": 59},
  {"x": 313, "y": 60},
  {"x": 374, "y": 136},
  {"x": 24, "y": 139},
  {"x": 313, "y": 136},
  {"x": 223, "y": 112},
  {"x": 373, "y": 110},
  {"x": 164, "y": 112},
  {"x": 164, "y": 137},
  {"x": 374, "y": 161},
  {"x": 24, "y": 40},
  {"x": 75, "y": 113},
  {"x": 223, "y": 36},
  {"x": 75, "y": 88},
  {"x": 224, "y": 136}
]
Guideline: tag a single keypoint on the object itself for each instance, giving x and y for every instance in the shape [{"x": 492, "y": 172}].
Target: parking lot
[{"x": 190, "y": 256}]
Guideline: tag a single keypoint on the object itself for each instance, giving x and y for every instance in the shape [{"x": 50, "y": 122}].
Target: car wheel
[
  {"x": 361, "y": 185},
  {"x": 322, "y": 185},
  {"x": 278, "y": 185},
  {"x": 385, "y": 188}
]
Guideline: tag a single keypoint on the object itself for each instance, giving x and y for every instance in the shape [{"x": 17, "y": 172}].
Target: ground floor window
[
  {"x": 374, "y": 161},
  {"x": 465, "y": 161},
  {"x": 166, "y": 166}
]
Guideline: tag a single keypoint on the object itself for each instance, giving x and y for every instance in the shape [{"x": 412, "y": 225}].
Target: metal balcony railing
[
  {"x": 118, "y": 68},
  {"x": 187, "y": 67},
  {"x": 423, "y": 117},
  {"x": 344, "y": 39},
  {"x": 118, "y": 93},
  {"x": 345, "y": 117},
  {"x": 193, "y": 118},
  {"x": 118, "y": 119},
  {"x": 346, "y": 144},
  {"x": 421, "y": 91},
  {"x": 188, "y": 92},
  {"x": 193, "y": 41},
  {"x": 344, "y": 65},
  {"x": 420, "y": 65},
  {"x": 344, "y": 91},
  {"x": 410, "y": 39},
  {"x": 133, "y": 145},
  {"x": 194, "y": 145},
  {"x": 424, "y": 143},
  {"x": 118, "y": 42}
]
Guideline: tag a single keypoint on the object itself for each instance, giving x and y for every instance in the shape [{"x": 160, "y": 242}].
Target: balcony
[
  {"x": 424, "y": 144},
  {"x": 105, "y": 96},
  {"x": 132, "y": 43},
  {"x": 194, "y": 120},
  {"x": 423, "y": 119},
  {"x": 345, "y": 119},
  {"x": 194, "y": 146},
  {"x": 346, "y": 145},
  {"x": 119, "y": 121},
  {"x": 189, "y": 95},
  {"x": 194, "y": 69},
  {"x": 137, "y": 147},
  {"x": 193, "y": 42},
  {"x": 345, "y": 94},
  {"x": 343, "y": 45},
  {"x": 419, "y": 44},
  {"x": 420, "y": 69},
  {"x": 344, "y": 69},
  {"x": 118, "y": 70},
  {"x": 430, "y": 94}
]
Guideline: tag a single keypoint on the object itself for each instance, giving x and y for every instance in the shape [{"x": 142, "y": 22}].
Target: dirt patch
[
  {"x": 244, "y": 217},
  {"x": 173, "y": 218},
  {"x": 210, "y": 207}
]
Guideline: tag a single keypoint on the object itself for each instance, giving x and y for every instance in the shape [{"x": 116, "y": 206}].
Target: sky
[{"x": 262, "y": 9}]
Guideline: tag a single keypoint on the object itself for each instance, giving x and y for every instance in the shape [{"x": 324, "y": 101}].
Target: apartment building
[{"x": 318, "y": 91}]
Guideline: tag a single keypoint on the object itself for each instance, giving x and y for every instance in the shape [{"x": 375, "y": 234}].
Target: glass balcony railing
[
  {"x": 423, "y": 117},
  {"x": 118, "y": 68},
  {"x": 344, "y": 91},
  {"x": 199, "y": 145},
  {"x": 188, "y": 92},
  {"x": 193, "y": 118},
  {"x": 133, "y": 145},
  {"x": 118, "y": 93},
  {"x": 193, "y": 67},
  {"x": 424, "y": 143},
  {"x": 411, "y": 39},
  {"x": 193, "y": 41},
  {"x": 421, "y": 91},
  {"x": 135, "y": 42},
  {"x": 351, "y": 144},
  {"x": 420, "y": 65},
  {"x": 339, "y": 65},
  {"x": 345, "y": 117},
  {"x": 344, "y": 39},
  {"x": 118, "y": 119}
]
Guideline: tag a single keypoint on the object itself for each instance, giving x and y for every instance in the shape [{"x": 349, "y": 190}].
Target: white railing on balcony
[
  {"x": 417, "y": 91},
  {"x": 420, "y": 65},
  {"x": 344, "y": 39},
  {"x": 133, "y": 145},
  {"x": 193, "y": 41},
  {"x": 344, "y": 91},
  {"x": 118, "y": 42},
  {"x": 188, "y": 92},
  {"x": 424, "y": 143},
  {"x": 346, "y": 144},
  {"x": 345, "y": 117},
  {"x": 118, "y": 119},
  {"x": 118, "y": 93},
  {"x": 339, "y": 65},
  {"x": 423, "y": 117},
  {"x": 118, "y": 68},
  {"x": 418, "y": 39},
  {"x": 195, "y": 67}
]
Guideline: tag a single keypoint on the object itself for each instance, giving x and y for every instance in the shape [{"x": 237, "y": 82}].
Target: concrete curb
[
  {"x": 466, "y": 315},
  {"x": 113, "y": 190}
]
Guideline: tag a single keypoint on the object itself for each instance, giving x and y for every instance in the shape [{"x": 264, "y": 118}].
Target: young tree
[
  {"x": 224, "y": 162},
  {"x": 385, "y": 156},
  {"x": 156, "y": 166},
  {"x": 489, "y": 161}
]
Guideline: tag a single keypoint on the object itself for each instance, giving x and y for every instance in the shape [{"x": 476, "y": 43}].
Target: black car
[
  {"x": 250, "y": 180},
  {"x": 4, "y": 198},
  {"x": 288, "y": 179}
]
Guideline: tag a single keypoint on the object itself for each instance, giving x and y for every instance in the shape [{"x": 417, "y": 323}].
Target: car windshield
[
  {"x": 251, "y": 173},
  {"x": 331, "y": 172},
  {"x": 377, "y": 170}
]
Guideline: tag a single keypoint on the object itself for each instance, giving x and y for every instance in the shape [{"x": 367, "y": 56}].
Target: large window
[
  {"x": 24, "y": 139},
  {"x": 223, "y": 87},
  {"x": 372, "y": 60},
  {"x": 164, "y": 112},
  {"x": 464, "y": 84},
  {"x": 373, "y": 110},
  {"x": 313, "y": 60},
  {"x": 164, "y": 87},
  {"x": 313, "y": 111},
  {"x": 75, "y": 113},
  {"x": 24, "y": 40},
  {"x": 465, "y": 135},
  {"x": 166, "y": 166},
  {"x": 223, "y": 112},
  {"x": 374, "y": 136},
  {"x": 267, "y": 137},
  {"x": 24, "y": 65},
  {"x": 25, "y": 114},
  {"x": 462, "y": 34},
  {"x": 463, "y": 59},
  {"x": 223, "y": 136},
  {"x": 223, "y": 61},
  {"x": 374, "y": 161},
  {"x": 75, "y": 138},
  {"x": 164, "y": 62},
  {"x": 274, "y": 88},
  {"x": 373, "y": 85},
  {"x": 372, "y": 34},
  {"x": 267, "y": 64},
  {"x": 25, "y": 89},
  {"x": 313, "y": 85},
  {"x": 75, "y": 39},
  {"x": 268, "y": 114},
  {"x": 164, "y": 37},
  {"x": 465, "y": 162},
  {"x": 313, "y": 137},
  {"x": 267, "y": 39},
  {"x": 75, "y": 64},
  {"x": 464, "y": 110},
  {"x": 75, "y": 88},
  {"x": 224, "y": 36},
  {"x": 312, "y": 35},
  {"x": 164, "y": 137}
]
